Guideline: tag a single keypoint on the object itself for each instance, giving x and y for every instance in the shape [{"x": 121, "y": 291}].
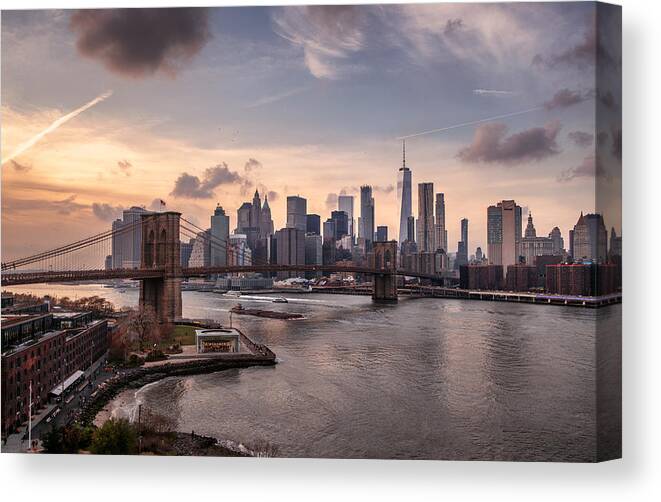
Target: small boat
[
  {"x": 280, "y": 299},
  {"x": 233, "y": 293}
]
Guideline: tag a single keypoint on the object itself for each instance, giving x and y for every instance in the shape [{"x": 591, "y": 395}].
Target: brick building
[
  {"x": 486, "y": 277},
  {"x": 582, "y": 279},
  {"x": 521, "y": 278}
]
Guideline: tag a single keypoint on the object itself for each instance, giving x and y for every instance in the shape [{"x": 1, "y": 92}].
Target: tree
[
  {"x": 115, "y": 437},
  {"x": 143, "y": 326}
]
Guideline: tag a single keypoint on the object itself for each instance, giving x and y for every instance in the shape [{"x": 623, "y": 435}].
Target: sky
[{"x": 106, "y": 109}]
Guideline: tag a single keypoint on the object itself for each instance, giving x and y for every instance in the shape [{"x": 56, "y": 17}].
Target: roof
[
  {"x": 12, "y": 320},
  {"x": 57, "y": 390}
]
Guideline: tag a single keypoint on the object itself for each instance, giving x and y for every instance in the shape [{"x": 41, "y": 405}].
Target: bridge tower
[
  {"x": 160, "y": 250},
  {"x": 385, "y": 281}
]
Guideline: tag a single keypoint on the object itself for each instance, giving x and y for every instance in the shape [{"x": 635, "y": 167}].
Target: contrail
[
  {"x": 62, "y": 120},
  {"x": 464, "y": 124}
]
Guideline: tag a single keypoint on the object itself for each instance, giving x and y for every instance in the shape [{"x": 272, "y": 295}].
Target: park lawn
[{"x": 183, "y": 335}]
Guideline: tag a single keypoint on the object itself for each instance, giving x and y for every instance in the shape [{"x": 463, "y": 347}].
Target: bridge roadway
[{"x": 19, "y": 278}]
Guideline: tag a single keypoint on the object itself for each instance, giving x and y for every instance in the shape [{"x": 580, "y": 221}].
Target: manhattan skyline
[{"x": 300, "y": 101}]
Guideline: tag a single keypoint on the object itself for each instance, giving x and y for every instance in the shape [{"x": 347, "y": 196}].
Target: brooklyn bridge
[{"x": 160, "y": 272}]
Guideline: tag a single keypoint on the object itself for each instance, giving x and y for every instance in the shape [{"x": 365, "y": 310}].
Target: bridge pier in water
[
  {"x": 385, "y": 283},
  {"x": 160, "y": 250}
]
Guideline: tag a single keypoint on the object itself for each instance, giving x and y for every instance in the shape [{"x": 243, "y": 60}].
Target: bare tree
[{"x": 143, "y": 326}]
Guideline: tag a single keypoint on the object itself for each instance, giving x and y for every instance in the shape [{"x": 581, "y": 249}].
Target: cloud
[
  {"x": 383, "y": 189},
  {"x": 492, "y": 145},
  {"x": 64, "y": 207},
  {"x": 581, "y": 138},
  {"x": 106, "y": 212},
  {"x": 272, "y": 98},
  {"x": 192, "y": 187},
  {"x": 125, "y": 166},
  {"x": 452, "y": 26},
  {"x": 251, "y": 165},
  {"x": 273, "y": 195},
  {"x": 327, "y": 34},
  {"x": 580, "y": 55},
  {"x": 141, "y": 42},
  {"x": 589, "y": 168},
  {"x": 564, "y": 98},
  {"x": 20, "y": 167},
  {"x": 331, "y": 200}
]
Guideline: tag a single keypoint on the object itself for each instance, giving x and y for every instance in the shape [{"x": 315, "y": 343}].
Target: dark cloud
[
  {"x": 252, "y": 164},
  {"x": 141, "y": 42},
  {"x": 192, "y": 187},
  {"x": 452, "y": 26},
  {"x": 589, "y": 168},
  {"x": 273, "y": 195},
  {"x": 564, "y": 98},
  {"x": 581, "y": 55},
  {"x": 581, "y": 138},
  {"x": 106, "y": 212},
  {"x": 20, "y": 167},
  {"x": 383, "y": 189},
  {"x": 125, "y": 166},
  {"x": 492, "y": 145}
]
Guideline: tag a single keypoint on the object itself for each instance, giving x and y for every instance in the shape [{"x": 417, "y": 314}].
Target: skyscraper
[
  {"x": 345, "y": 203},
  {"x": 425, "y": 229},
  {"x": 382, "y": 233},
  {"x": 313, "y": 224},
  {"x": 220, "y": 237},
  {"x": 366, "y": 228},
  {"x": 590, "y": 238},
  {"x": 440, "y": 233},
  {"x": 558, "y": 241},
  {"x": 341, "y": 224},
  {"x": 404, "y": 180},
  {"x": 291, "y": 249},
  {"x": 266, "y": 224},
  {"x": 127, "y": 245},
  {"x": 462, "y": 245},
  {"x": 504, "y": 233},
  {"x": 297, "y": 208},
  {"x": 533, "y": 246},
  {"x": 410, "y": 229},
  {"x": 464, "y": 232}
]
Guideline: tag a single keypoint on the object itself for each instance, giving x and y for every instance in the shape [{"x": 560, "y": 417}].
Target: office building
[
  {"x": 440, "y": 232},
  {"x": 219, "y": 237},
  {"x": 533, "y": 246},
  {"x": 291, "y": 248},
  {"x": 425, "y": 237},
  {"x": 404, "y": 195},
  {"x": 504, "y": 233},
  {"x": 382, "y": 233},
  {"x": 345, "y": 203},
  {"x": 485, "y": 277},
  {"x": 297, "y": 209},
  {"x": 341, "y": 224},
  {"x": 126, "y": 241},
  {"x": 313, "y": 224},
  {"x": 558, "y": 242},
  {"x": 366, "y": 223},
  {"x": 590, "y": 239}
]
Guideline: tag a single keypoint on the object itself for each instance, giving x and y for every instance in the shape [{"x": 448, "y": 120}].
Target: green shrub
[{"x": 115, "y": 437}]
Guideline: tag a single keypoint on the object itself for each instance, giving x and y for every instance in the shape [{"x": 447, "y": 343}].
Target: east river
[{"x": 424, "y": 378}]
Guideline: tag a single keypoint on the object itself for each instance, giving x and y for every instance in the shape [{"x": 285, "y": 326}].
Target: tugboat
[{"x": 280, "y": 299}]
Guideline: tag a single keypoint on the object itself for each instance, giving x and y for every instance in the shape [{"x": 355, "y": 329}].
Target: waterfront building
[
  {"x": 341, "y": 220},
  {"x": 243, "y": 283},
  {"x": 504, "y": 233},
  {"x": 297, "y": 208},
  {"x": 404, "y": 195},
  {"x": 46, "y": 355},
  {"x": 484, "y": 277},
  {"x": 590, "y": 239},
  {"x": 291, "y": 249},
  {"x": 313, "y": 224},
  {"x": 425, "y": 228},
  {"x": 381, "y": 233},
  {"x": 581, "y": 279},
  {"x": 440, "y": 232},
  {"x": 366, "y": 222},
  {"x": 521, "y": 277},
  {"x": 219, "y": 233},
  {"x": 345, "y": 203}
]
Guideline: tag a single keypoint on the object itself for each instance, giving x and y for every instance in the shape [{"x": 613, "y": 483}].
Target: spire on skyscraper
[{"x": 404, "y": 168}]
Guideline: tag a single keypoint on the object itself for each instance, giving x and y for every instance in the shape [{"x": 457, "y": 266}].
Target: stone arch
[
  {"x": 160, "y": 250},
  {"x": 148, "y": 252}
]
